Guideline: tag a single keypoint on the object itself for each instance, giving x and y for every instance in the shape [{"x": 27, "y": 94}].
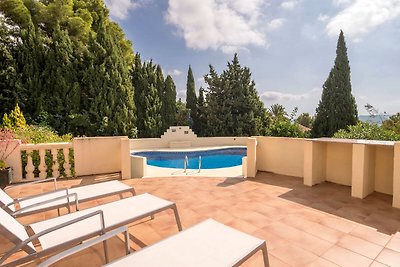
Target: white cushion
[{"x": 208, "y": 243}]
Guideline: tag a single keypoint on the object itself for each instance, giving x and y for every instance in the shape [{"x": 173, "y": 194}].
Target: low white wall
[
  {"x": 96, "y": 155},
  {"x": 138, "y": 166},
  {"x": 219, "y": 141},
  {"x": 280, "y": 155},
  {"x": 156, "y": 143}
]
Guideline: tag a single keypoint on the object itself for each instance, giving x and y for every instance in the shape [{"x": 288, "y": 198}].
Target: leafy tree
[
  {"x": 278, "y": 111},
  {"x": 369, "y": 131},
  {"x": 337, "y": 108},
  {"x": 201, "y": 119},
  {"x": 147, "y": 100},
  {"x": 233, "y": 105},
  {"x": 67, "y": 65},
  {"x": 191, "y": 98},
  {"x": 284, "y": 128},
  {"x": 393, "y": 123},
  {"x": 305, "y": 119},
  {"x": 182, "y": 114}
]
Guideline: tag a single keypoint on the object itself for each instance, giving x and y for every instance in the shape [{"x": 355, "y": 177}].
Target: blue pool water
[{"x": 210, "y": 159}]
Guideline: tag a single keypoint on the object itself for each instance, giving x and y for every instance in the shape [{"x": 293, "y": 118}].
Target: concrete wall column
[
  {"x": 251, "y": 157},
  {"x": 125, "y": 158},
  {"x": 363, "y": 170},
  {"x": 314, "y": 162}
]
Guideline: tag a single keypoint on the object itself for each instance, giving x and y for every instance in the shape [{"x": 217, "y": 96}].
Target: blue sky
[{"x": 288, "y": 45}]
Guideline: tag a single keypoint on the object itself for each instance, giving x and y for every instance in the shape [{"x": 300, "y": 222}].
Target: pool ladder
[{"x": 186, "y": 163}]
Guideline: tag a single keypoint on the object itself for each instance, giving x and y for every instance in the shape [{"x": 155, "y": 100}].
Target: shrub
[
  {"x": 284, "y": 128},
  {"x": 368, "y": 131},
  {"x": 42, "y": 134}
]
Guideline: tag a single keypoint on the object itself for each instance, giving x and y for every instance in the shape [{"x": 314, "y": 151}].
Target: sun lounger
[
  {"x": 61, "y": 232},
  {"x": 60, "y": 197},
  {"x": 208, "y": 243}
]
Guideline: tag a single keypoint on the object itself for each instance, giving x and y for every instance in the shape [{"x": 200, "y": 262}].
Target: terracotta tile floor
[{"x": 303, "y": 226}]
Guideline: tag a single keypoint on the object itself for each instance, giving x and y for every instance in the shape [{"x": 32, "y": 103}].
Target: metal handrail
[
  {"x": 186, "y": 162},
  {"x": 199, "y": 164}
]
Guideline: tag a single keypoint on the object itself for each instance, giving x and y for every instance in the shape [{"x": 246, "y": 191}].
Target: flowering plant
[{"x": 7, "y": 146}]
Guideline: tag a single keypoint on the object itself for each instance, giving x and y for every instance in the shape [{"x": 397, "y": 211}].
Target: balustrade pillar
[
  {"x": 29, "y": 165},
  {"x": 42, "y": 166},
  {"x": 67, "y": 165},
  {"x": 56, "y": 165}
]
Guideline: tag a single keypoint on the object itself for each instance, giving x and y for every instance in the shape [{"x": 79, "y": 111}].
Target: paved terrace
[{"x": 318, "y": 226}]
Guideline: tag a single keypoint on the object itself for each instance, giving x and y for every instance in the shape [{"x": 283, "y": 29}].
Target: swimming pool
[{"x": 210, "y": 159}]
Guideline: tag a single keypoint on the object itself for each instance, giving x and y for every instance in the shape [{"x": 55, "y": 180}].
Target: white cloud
[
  {"x": 290, "y": 4},
  {"x": 175, "y": 72},
  {"x": 275, "y": 24},
  {"x": 120, "y": 8},
  {"x": 181, "y": 94},
  {"x": 362, "y": 16},
  {"x": 279, "y": 96},
  {"x": 226, "y": 25},
  {"x": 342, "y": 2},
  {"x": 322, "y": 17}
]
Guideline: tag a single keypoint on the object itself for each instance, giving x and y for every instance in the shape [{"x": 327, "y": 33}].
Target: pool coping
[
  {"x": 156, "y": 172},
  {"x": 166, "y": 149}
]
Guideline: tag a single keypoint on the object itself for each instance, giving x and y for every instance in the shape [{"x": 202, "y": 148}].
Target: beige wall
[
  {"x": 396, "y": 176},
  {"x": 148, "y": 143},
  {"x": 384, "y": 169},
  {"x": 314, "y": 162},
  {"x": 339, "y": 163},
  {"x": 219, "y": 141},
  {"x": 159, "y": 143},
  {"x": 95, "y": 155},
  {"x": 14, "y": 158},
  {"x": 280, "y": 155},
  {"x": 138, "y": 166}
]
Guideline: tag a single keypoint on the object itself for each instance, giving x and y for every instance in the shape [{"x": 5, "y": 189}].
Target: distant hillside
[{"x": 378, "y": 119}]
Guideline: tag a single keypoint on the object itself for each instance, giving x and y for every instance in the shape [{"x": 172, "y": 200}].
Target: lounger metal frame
[
  {"x": 37, "y": 254},
  {"x": 75, "y": 202}
]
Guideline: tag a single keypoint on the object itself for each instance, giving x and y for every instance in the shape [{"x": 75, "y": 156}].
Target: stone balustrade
[{"x": 42, "y": 170}]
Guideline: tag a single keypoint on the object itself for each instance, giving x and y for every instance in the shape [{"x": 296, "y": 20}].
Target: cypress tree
[
  {"x": 233, "y": 105},
  {"x": 337, "y": 108},
  {"x": 152, "y": 116},
  {"x": 169, "y": 103},
  {"x": 191, "y": 99},
  {"x": 201, "y": 122}
]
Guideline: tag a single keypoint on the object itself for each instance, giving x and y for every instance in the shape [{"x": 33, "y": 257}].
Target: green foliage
[
  {"x": 278, "y": 111},
  {"x": 200, "y": 124},
  {"x": 368, "y": 131},
  {"x": 182, "y": 114},
  {"x": 40, "y": 134},
  {"x": 305, "y": 119},
  {"x": 284, "y": 128},
  {"x": 337, "y": 108},
  {"x": 393, "y": 123},
  {"x": 67, "y": 65},
  {"x": 191, "y": 98},
  {"x": 233, "y": 106},
  {"x": 145, "y": 78},
  {"x": 14, "y": 120},
  {"x": 169, "y": 103},
  {"x": 2, "y": 165}
]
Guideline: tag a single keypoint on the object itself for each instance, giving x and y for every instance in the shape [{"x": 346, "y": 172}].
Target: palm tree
[{"x": 278, "y": 111}]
